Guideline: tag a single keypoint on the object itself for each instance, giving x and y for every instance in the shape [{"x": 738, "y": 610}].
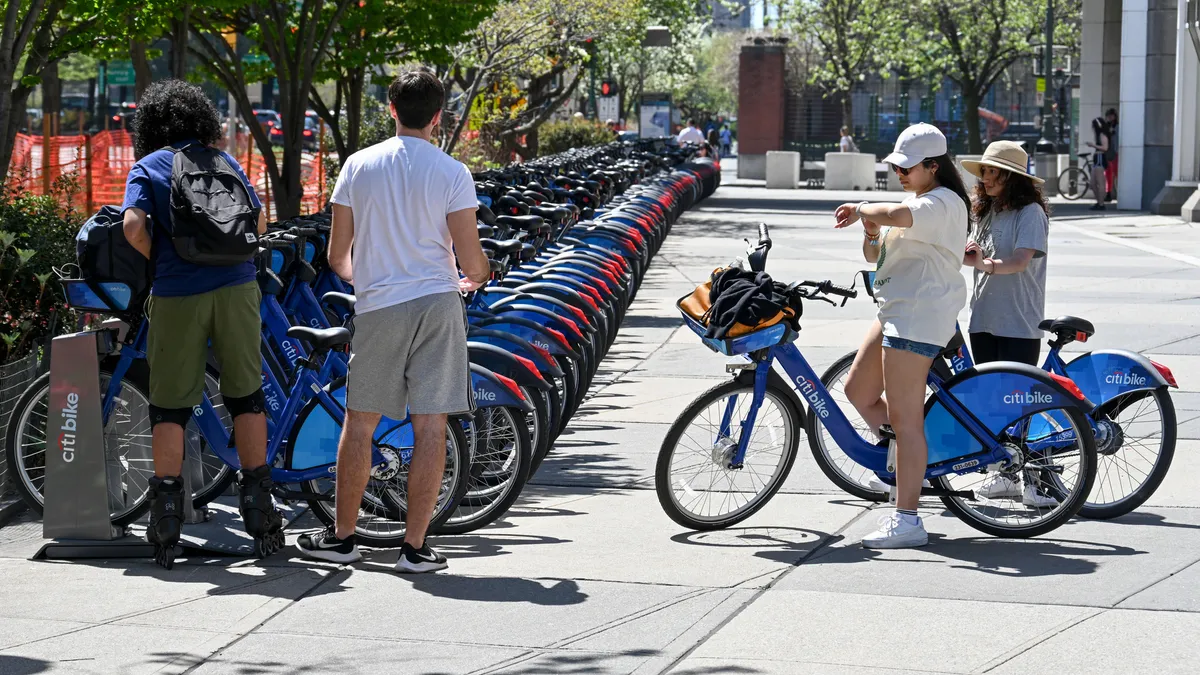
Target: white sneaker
[
  {"x": 880, "y": 486},
  {"x": 895, "y": 532},
  {"x": 1031, "y": 497},
  {"x": 999, "y": 486}
]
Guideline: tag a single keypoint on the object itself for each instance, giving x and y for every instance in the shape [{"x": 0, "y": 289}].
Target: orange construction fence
[{"x": 98, "y": 164}]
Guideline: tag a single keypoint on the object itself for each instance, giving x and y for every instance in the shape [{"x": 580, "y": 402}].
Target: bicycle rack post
[{"x": 77, "y": 480}]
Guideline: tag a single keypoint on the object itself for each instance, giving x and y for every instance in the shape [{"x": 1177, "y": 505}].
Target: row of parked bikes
[{"x": 568, "y": 237}]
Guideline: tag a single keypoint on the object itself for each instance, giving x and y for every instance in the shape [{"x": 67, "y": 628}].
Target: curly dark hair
[
  {"x": 171, "y": 111},
  {"x": 1019, "y": 192}
]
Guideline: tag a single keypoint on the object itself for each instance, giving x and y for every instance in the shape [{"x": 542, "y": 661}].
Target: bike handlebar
[
  {"x": 829, "y": 288},
  {"x": 764, "y": 237}
]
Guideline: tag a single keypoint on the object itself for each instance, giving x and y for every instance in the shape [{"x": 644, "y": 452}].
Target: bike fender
[
  {"x": 997, "y": 394},
  {"x": 1104, "y": 374},
  {"x": 498, "y": 360},
  {"x": 490, "y": 391},
  {"x": 519, "y": 346}
]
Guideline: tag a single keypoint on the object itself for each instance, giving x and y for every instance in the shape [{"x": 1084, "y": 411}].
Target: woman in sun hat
[
  {"x": 1008, "y": 253},
  {"x": 920, "y": 290}
]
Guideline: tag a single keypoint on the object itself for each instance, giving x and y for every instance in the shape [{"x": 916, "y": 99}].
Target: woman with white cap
[
  {"x": 920, "y": 291},
  {"x": 1008, "y": 253}
]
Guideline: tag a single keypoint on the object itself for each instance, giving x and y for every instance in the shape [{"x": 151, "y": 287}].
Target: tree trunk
[
  {"x": 141, "y": 68},
  {"x": 179, "y": 38},
  {"x": 51, "y": 99},
  {"x": 355, "y": 85},
  {"x": 971, "y": 100},
  {"x": 848, "y": 111},
  {"x": 11, "y": 116}
]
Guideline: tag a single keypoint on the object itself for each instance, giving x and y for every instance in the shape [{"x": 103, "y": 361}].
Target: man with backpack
[
  {"x": 191, "y": 210},
  {"x": 403, "y": 210}
]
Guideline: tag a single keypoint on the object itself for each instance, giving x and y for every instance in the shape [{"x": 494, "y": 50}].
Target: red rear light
[
  {"x": 578, "y": 313},
  {"x": 529, "y": 365},
  {"x": 558, "y": 334},
  {"x": 1081, "y": 336},
  {"x": 511, "y": 386},
  {"x": 308, "y": 132},
  {"x": 1166, "y": 373},
  {"x": 545, "y": 353},
  {"x": 588, "y": 299},
  {"x": 1068, "y": 384}
]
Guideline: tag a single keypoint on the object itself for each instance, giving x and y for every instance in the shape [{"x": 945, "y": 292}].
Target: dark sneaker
[
  {"x": 419, "y": 560},
  {"x": 324, "y": 545}
]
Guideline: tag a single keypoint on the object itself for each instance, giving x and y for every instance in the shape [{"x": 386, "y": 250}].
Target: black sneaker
[
  {"x": 419, "y": 560},
  {"x": 324, "y": 545}
]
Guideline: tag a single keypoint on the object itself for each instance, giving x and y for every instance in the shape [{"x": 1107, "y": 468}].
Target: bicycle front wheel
[
  {"x": 1074, "y": 183},
  {"x": 696, "y": 484},
  {"x": 1053, "y": 473}
]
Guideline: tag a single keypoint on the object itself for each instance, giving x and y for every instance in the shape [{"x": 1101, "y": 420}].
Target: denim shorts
[{"x": 923, "y": 348}]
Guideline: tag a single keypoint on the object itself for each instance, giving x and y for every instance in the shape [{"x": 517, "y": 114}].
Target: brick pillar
[{"x": 761, "y": 97}]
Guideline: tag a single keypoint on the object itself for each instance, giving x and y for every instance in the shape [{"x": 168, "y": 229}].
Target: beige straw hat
[{"x": 1005, "y": 155}]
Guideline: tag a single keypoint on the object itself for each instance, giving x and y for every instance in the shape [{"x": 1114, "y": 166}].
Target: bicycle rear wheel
[
  {"x": 1074, "y": 183},
  {"x": 500, "y": 464},
  {"x": 1135, "y": 445},
  {"x": 696, "y": 486},
  {"x": 837, "y": 466}
]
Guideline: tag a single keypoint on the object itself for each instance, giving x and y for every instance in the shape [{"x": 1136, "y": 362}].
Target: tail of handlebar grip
[{"x": 764, "y": 237}]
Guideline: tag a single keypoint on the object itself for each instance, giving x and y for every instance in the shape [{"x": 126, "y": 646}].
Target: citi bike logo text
[
  {"x": 290, "y": 350},
  {"x": 271, "y": 395},
  {"x": 541, "y": 345},
  {"x": 1028, "y": 398},
  {"x": 1119, "y": 377},
  {"x": 66, "y": 439},
  {"x": 810, "y": 392},
  {"x": 481, "y": 395}
]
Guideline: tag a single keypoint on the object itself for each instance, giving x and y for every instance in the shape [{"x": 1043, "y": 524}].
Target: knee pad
[
  {"x": 254, "y": 404},
  {"x": 178, "y": 416}
]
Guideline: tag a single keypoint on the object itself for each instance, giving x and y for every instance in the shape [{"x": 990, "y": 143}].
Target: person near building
[
  {"x": 402, "y": 211},
  {"x": 726, "y": 141},
  {"x": 690, "y": 134},
  {"x": 1110, "y": 156},
  {"x": 714, "y": 142},
  {"x": 1100, "y": 144},
  {"x": 920, "y": 290},
  {"x": 191, "y": 304},
  {"x": 847, "y": 143},
  {"x": 611, "y": 125},
  {"x": 1007, "y": 250}
]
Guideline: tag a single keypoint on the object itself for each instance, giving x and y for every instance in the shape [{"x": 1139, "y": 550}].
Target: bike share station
[{"x": 83, "y": 475}]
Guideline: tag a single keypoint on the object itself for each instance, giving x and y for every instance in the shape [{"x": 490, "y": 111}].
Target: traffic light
[{"x": 608, "y": 88}]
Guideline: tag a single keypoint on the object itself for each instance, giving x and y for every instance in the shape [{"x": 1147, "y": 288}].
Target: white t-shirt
[
  {"x": 401, "y": 191},
  {"x": 691, "y": 135},
  {"x": 918, "y": 281}
]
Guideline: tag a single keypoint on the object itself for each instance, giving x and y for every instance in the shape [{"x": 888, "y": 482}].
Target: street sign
[
  {"x": 1040, "y": 97},
  {"x": 1041, "y": 85},
  {"x": 655, "y": 118},
  {"x": 120, "y": 74},
  {"x": 608, "y": 108}
]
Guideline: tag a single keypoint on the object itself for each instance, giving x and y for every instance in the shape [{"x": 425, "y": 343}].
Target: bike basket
[
  {"x": 768, "y": 336},
  {"x": 80, "y": 295}
]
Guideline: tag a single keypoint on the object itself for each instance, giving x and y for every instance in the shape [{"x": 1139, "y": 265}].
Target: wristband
[{"x": 858, "y": 209}]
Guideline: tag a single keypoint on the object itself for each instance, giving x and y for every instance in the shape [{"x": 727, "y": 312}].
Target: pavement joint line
[
  {"x": 759, "y": 593},
  {"x": 1037, "y": 640},
  {"x": 1152, "y": 584},
  {"x": 292, "y": 603},
  {"x": 1145, "y": 248},
  {"x": 632, "y": 616},
  {"x": 1168, "y": 344}
]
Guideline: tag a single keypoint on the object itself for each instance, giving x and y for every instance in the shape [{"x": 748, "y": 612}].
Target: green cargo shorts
[{"x": 180, "y": 330}]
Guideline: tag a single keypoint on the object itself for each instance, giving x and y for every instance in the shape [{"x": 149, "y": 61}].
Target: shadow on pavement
[
  {"x": 568, "y": 663},
  {"x": 180, "y": 661},
  {"x": 711, "y": 670},
  {"x": 490, "y": 545},
  {"x": 19, "y": 665},
  {"x": 1143, "y": 518},
  {"x": 500, "y": 589},
  {"x": 652, "y": 322},
  {"x": 786, "y": 545},
  {"x": 302, "y": 578}
]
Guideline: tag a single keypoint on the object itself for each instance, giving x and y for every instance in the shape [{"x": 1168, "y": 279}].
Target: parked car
[{"x": 270, "y": 120}]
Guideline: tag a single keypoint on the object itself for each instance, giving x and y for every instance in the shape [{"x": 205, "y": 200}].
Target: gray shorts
[{"x": 411, "y": 357}]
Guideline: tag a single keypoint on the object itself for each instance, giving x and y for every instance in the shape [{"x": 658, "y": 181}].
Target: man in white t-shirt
[
  {"x": 406, "y": 209},
  {"x": 691, "y": 134}
]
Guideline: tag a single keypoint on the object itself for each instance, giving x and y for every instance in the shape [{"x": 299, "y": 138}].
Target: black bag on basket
[
  {"x": 213, "y": 221},
  {"x": 104, "y": 255}
]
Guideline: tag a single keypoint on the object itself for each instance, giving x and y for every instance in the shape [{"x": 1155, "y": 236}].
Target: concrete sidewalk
[{"x": 587, "y": 575}]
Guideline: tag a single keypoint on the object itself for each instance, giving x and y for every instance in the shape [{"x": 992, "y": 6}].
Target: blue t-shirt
[{"x": 148, "y": 187}]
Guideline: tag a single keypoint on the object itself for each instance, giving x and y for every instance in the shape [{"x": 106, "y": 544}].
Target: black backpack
[
  {"x": 104, "y": 255},
  {"x": 213, "y": 221}
]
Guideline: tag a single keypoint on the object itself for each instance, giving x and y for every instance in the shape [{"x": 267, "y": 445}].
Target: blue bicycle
[
  {"x": 1133, "y": 421},
  {"x": 731, "y": 450}
]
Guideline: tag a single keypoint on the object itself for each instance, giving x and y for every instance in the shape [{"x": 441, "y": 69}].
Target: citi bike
[{"x": 731, "y": 450}]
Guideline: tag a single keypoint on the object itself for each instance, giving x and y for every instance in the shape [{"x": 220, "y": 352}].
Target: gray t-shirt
[{"x": 1011, "y": 305}]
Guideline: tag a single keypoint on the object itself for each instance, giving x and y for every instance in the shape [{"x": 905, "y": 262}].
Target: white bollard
[
  {"x": 783, "y": 170},
  {"x": 849, "y": 171}
]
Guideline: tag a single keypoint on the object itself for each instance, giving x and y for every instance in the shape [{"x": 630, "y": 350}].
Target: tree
[
  {"x": 375, "y": 33},
  {"x": 972, "y": 42},
  {"x": 36, "y": 35},
  {"x": 294, "y": 37},
  {"x": 851, "y": 37}
]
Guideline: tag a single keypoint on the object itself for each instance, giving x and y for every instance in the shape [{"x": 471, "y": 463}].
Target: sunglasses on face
[{"x": 904, "y": 172}]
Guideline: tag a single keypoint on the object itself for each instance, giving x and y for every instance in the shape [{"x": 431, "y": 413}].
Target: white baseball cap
[{"x": 916, "y": 144}]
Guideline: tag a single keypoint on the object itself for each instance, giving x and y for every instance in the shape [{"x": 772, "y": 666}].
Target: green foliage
[
  {"x": 556, "y": 137},
  {"x": 36, "y": 234}
]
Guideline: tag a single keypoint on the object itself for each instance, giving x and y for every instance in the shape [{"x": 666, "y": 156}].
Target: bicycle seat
[
  {"x": 521, "y": 222},
  {"x": 952, "y": 347},
  {"x": 485, "y": 231},
  {"x": 344, "y": 300},
  {"x": 503, "y": 248},
  {"x": 484, "y": 214},
  {"x": 321, "y": 339},
  {"x": 1071, "y": 323}
]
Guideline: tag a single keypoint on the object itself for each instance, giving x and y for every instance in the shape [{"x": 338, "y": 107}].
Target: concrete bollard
[
  {"x": 849, "y": 171},
  {"x": 783, "y": 170}
]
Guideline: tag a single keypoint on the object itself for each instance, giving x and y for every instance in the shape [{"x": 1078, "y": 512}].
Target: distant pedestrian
[
  {"x": 403, "y": 210},
  {"x": 714, "y": 142},
  {"x": 1008, "y": 253},
  {"x": 690, "y": 134},
  {"x": 726, "y": 141},
  {"x": 847, "y": 143},
  {"x": 1110, "y": 156},
  {"x": 1100, "y": 144}
]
